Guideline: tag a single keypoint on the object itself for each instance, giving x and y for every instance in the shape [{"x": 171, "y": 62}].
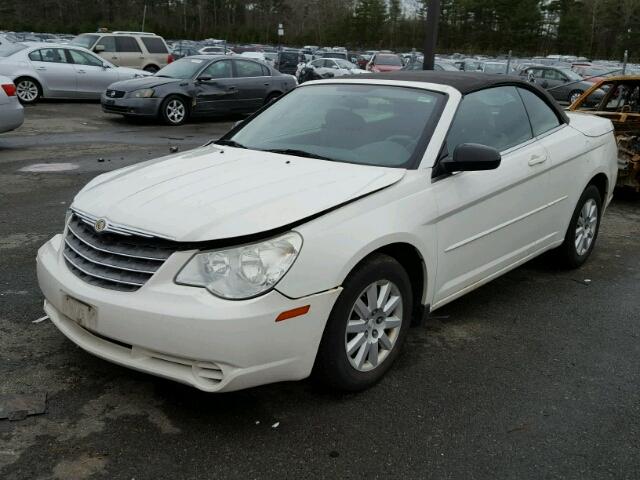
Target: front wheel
[
  {"x": 367, "y": 326},
  {"x": 573, "y": 96},
  {"x": 583, "y": 229},
  {"x": 174, "y": 110}
]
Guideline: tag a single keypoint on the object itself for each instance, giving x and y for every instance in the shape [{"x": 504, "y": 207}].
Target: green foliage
[{"x": 592, "y": 28}]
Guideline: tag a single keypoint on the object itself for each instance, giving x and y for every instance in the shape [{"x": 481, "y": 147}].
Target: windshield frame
[{"x": 416, "y": 158}]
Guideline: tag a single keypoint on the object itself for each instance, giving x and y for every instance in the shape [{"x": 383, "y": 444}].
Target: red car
[{"x": 385, "y": 62}]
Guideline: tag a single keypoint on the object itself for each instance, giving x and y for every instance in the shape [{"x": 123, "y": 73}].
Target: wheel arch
[
  {"x": 413, "y": 262},
  {"x": 33, "y": 78},
  {"x": 601, "y": 182}
]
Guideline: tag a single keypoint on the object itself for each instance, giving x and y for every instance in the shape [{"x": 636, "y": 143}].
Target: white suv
[{"x": 145, "y": 51}]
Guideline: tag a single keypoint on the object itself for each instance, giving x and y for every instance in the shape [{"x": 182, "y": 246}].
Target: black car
[
  {"x": 201, "y": 85},
  {"x": 562, "y": 83},
  {"x": 287, "y": 62}
]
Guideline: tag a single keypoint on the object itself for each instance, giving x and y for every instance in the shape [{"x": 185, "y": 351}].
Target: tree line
[{"x": 590, "y": 28}]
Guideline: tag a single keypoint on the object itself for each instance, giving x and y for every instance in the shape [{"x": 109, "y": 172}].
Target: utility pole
[
  {"x": 431, "y": 34},
  {"x": 144, "y": 16}
]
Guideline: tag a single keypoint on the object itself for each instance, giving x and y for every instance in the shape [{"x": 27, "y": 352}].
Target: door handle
[
  {"x": 537, "y": 159},
  {"x": 41, "y": 69},
  {"x": 232, "y": 89},
  {"x": 114, "y": 58},
  {"x": 266, "y": 84}
]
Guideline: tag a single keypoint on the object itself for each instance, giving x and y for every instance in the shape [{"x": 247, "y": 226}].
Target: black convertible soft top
[{"x": 467, "y": 82}]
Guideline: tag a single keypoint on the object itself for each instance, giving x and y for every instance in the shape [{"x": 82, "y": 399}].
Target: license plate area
[
  {"x": 110, "y": 102},
  {"x": 80, "y": 312}
]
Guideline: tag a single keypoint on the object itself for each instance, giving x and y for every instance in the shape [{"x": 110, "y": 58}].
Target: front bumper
[
  {"x": 11, "y": 115},
  {"x": 185, "y": 333},
  {"x": 140, "y": 107}
]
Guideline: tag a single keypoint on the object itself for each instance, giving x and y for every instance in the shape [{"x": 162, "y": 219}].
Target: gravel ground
[{"x": 535, "y": 375}]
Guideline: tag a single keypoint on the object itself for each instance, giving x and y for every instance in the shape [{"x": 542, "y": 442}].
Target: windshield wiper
[
  {"x": 229, "y": 143},
  {"x": 298, "y": 153}
]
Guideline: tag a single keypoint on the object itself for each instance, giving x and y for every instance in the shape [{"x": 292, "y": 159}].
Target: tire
[
  {"x": 573, "y": 95},
  {"x": 271, "y": 98},
  {"x": 582, "y": 233},
  {"x": 361, "y": 368},
  {"x": 28, "y": 90},
  {"x": 174, "y": 110},
  {"x": 151, "y": 69}
]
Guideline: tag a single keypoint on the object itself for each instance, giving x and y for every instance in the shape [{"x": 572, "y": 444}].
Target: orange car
[{"x": 621, "y": 105}]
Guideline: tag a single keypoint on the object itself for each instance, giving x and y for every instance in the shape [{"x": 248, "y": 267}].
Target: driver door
[
  {"x": 489, "y": 221},
  {"x": 217, "y": 92}
]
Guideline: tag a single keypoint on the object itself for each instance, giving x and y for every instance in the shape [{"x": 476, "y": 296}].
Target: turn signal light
[
  {"x": 296, "y": 312},
  {"x": 9, "y": 89}
]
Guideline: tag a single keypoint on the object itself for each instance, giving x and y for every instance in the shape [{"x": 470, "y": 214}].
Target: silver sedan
[
  {"x": 11, "y": 112},
  {"x": 45, "y": 70}
]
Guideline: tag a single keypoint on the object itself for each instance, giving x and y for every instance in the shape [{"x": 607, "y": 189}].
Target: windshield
[
  {"x": 10, "y": 49},
  {"x": 367, "y": 124},
  {"x": 344, "y": 63},
  {"x": 183, "y": 68},
  {"x": 571, "y": 75},
  {"x": 388, "y": 60},
  {"x": 85, "y": 40}
]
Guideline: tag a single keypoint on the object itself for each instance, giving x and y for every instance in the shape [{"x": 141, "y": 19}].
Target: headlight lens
[
  {"x": 242, "y": 272},
  {"x": 144, "y": 93}
]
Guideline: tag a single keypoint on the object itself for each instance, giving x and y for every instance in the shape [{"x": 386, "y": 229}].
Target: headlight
[
  {"x": 144, "y": 93},
  {"x": 242, "y": 272}
]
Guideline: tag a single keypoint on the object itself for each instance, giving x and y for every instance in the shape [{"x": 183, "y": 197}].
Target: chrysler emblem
[{"x": 100, "y": 225}]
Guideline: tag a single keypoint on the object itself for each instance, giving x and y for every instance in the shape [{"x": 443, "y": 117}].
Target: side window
[
  {"x": 53, "y": 55},
  {"x": 553, "y": 75},
  {"x": 494, "y": 117},
  {"x": 109, "y": 44},
  {"x": 83, "y": 58},
  {"x": 35, "y": 56},
  {"x": 154, "y": 44},
  {"x": 265, "y": 71},
  {"x": 127, "y": 44},
  {"x": 221, "y": 69},
  {"x": 246, "y": 68},
  {"x": 542, "y": 117}
]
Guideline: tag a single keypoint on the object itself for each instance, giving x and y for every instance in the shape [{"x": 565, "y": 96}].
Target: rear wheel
[
  {"x": 367, "y": 326},
  {"x": 151, "y": 69},
  {"x": 174, "y": 110},
  {"x": 28, "y": 90},
  {"x": 581, "y": 235}
]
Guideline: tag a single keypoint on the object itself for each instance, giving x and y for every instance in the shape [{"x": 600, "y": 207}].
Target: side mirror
[
  {"x": 204, "y": 78},
  {"x": 469, "y": 157},
  {"x": 105, "y": 66},
  {"x": 98, "y": 48}
]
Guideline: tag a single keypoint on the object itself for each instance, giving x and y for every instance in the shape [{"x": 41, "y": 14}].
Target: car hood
[
  {"x": 126, "y": 73},
  {"x": 144, "y": 82},
  {"x": 216, "y": 192}
]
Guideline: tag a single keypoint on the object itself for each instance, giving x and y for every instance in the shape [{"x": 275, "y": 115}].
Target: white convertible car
[{"x": 311, "y": 236}]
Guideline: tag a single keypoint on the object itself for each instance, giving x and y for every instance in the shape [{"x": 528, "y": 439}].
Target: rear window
[
  {"x": 127, "y": 44},
  {"x": 154, "y": 44},
  {"x": 10, "y": 49}
]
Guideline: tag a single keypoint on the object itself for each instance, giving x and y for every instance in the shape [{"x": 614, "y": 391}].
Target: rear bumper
[
  {"x": 185, "y": 333},
  {"x": 140, "y": 107},
  {"x": 11, "y": 115}
]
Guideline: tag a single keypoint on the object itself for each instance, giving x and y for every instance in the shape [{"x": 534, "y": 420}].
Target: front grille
[
  {"x": 115, "y": 94},
  {"x": 118, "y": 261}
]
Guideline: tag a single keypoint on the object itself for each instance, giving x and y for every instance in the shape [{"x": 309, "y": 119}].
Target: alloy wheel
[
  {"x": 586, "y": 226},
  {"x": 27, "y": 91},
  {"x": 574, "y": 97},
  {"x": 175, "y": 111},
  {"x": 373, "y": 325}
]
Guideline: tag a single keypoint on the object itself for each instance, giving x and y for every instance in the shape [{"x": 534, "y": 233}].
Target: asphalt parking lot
[{"x": 535, "y": 375}]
